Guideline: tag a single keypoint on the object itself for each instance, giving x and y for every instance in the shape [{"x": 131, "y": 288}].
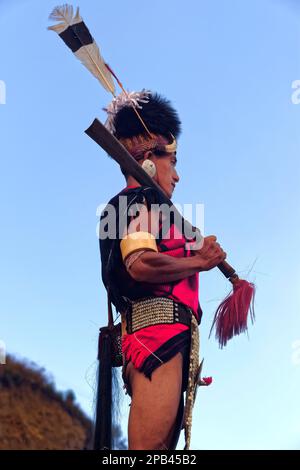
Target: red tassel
[
  {"x": 231, "y": 316},
  {"x": 206, "y": 381}
]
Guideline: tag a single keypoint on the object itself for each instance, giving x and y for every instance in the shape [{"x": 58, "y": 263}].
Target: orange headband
[{"x": 139, "y": 144}]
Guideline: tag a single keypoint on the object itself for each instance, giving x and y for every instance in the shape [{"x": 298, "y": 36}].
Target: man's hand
[{"x": 210, "y": 255}]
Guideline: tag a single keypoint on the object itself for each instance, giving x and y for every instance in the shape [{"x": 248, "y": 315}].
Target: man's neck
[{"x": 132, "y": 181}]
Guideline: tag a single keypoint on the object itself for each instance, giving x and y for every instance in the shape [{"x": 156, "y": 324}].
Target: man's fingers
[{"x": 218, "y": 259}]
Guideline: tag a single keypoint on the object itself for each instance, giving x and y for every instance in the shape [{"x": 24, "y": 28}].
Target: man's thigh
[{"x": 154, "y": 403}]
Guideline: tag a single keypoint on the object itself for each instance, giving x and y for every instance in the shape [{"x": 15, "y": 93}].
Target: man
[{"x": 152, "y": 274}]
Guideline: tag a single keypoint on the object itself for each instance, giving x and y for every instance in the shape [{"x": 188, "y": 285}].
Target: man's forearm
[{"x": 158, "y": 267}]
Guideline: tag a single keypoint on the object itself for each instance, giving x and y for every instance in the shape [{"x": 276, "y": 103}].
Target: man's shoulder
[{"x": 140, "y": 194}]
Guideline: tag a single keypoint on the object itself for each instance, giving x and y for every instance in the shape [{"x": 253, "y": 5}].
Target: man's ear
[{"x": 149, "y": 154}]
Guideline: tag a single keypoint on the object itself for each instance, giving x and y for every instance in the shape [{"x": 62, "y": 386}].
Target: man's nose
[{"x": 176, "y": 176}]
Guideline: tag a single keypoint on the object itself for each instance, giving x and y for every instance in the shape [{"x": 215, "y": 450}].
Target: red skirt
[{"x": 154, "y": 345}]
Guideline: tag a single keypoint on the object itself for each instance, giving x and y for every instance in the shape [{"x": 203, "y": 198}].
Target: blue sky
[{"x": 228, "y": 67}]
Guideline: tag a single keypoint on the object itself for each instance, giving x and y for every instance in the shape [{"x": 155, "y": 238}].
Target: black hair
[{"x": 158, "y": 114}]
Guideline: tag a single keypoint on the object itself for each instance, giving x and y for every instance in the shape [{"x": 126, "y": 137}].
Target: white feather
[
  {"x": 91, "y": 58},
  {"x": 64, "y": 14},
  {"x": 88, "y": 55},
  {"x": 133, "y": 98}
]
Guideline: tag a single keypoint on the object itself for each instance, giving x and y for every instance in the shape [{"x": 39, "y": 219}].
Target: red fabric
[
  {"x": 185, "y": 290},
  {"x": 138, "y": 346}
]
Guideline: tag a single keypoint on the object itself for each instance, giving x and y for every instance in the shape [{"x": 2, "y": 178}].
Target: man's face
[{"x": 166, "y": 174}]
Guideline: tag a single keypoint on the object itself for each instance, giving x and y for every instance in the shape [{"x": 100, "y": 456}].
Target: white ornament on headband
[{"x": 132, "y": 98}]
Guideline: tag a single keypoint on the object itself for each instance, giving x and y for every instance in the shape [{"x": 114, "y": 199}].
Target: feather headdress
[
  {"x": 74, "y": 32},
  {"x": 76, "y": 35},
  {"x": 123, "y": 100}
]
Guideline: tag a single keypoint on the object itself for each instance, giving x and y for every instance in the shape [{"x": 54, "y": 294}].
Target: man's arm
[
  {"x": 153, "y": 267},
  {"x": 158, "y": 267}
]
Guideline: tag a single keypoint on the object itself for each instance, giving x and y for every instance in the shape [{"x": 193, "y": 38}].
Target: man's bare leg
[{"x": 154, "y": 405}]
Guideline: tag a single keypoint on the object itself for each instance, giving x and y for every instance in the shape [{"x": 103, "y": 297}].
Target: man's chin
[{"x": 168, "y": 192}]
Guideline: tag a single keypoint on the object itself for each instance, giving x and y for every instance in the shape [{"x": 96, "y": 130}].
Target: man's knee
[{"x": 158, "y": 439}]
